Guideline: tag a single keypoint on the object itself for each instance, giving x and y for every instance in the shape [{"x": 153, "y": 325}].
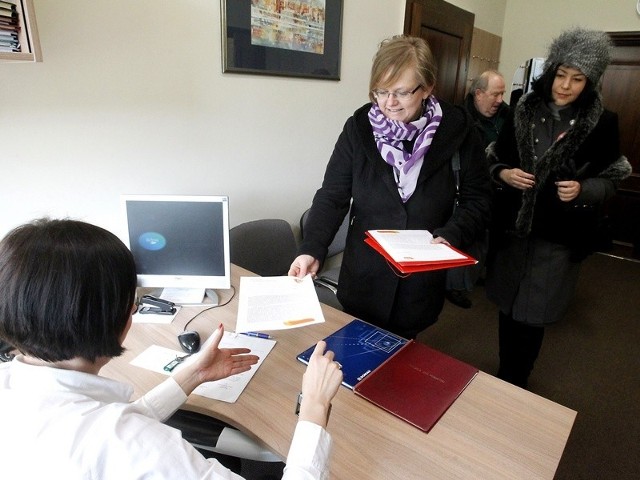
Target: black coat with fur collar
[{"x": 587, "y": 152}]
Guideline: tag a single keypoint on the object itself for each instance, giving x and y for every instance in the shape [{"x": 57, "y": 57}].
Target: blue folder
[{"x": 360, "y": 348}]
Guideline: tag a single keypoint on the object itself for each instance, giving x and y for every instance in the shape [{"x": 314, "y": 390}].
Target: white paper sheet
[
  {"x": 277, "y": 303},
  {"x": 228, "y": 389},
  {"x": 413, "y": 246}
]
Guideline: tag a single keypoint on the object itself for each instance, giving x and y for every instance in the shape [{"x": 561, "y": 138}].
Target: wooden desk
[{"x": 494, "y": 430}]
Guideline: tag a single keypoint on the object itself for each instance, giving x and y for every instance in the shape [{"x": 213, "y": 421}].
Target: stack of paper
[
  {"x": 410, "y": 251},
  {"x": 276, "y": 303}
]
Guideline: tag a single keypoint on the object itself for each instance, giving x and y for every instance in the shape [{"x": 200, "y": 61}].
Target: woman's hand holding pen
[
  {"x": 516, "y": 178},
  {"x": 320, "y": 384},
  {"x": 213, "y": 363},
  {"x": 303, "y": 265}
]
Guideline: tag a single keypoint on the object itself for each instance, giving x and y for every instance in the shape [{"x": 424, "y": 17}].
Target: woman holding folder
[{"x": 391, "y": 169}]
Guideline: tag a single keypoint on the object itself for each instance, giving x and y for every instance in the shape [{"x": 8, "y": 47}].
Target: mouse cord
[{"x": 210, "y": 308}]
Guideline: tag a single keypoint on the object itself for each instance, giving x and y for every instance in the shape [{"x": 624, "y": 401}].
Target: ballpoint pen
[{"x": 256, "y": 334}]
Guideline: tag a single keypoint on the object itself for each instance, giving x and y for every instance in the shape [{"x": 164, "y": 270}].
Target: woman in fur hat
[{"x": 555, "y": 163}]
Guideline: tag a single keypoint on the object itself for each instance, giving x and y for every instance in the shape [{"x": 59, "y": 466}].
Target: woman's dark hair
[
  {"x": 544, "y": 83},
  {"x": 66, "y": 290}
]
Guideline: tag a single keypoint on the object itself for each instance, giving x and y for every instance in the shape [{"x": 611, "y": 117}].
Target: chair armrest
[
  {"x": 326, "y": 283},
  {"x": 209, "y": 433}
]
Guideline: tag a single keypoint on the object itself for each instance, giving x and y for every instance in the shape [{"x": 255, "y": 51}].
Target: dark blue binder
[{"x": 360, "y": 348}]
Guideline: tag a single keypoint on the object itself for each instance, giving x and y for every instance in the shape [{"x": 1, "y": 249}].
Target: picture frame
[{"x": 292, "y": 38}]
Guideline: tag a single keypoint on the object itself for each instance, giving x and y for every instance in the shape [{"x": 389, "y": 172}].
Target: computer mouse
[{"x": 189, "y": 341}]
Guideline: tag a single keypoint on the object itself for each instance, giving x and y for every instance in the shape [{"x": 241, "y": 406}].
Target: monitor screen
[{"x": 179, "y": 241}]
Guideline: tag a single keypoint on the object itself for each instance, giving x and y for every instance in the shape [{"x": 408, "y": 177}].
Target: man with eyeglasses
[{"x": 486, "y": 105}]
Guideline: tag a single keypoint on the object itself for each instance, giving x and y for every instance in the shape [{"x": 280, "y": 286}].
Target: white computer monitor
[{"x": 179, "y": 241}]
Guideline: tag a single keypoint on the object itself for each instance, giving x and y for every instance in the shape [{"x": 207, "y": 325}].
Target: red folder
[
  {"x": 417, "y": 384},
  {"x": 421, "y": 266}
]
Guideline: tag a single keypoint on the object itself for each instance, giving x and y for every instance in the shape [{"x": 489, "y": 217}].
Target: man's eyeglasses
[{"x": 384, "y": 94}]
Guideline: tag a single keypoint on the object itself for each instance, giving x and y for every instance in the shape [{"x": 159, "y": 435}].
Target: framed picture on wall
[{"x": 293, "y": 38}]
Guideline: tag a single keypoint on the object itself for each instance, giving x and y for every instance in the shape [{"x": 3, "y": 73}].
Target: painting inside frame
[{"x": 295, "y": 38}]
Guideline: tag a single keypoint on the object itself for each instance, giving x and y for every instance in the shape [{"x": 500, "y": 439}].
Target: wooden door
[
  {"x": 621, "y": 94},
  {"x": 448, "y": 30}
]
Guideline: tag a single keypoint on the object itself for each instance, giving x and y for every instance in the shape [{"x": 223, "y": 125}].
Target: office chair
[
  {"x": 5, "y": 352},
  {"x": 326, "y": 281},
  {"x": 213, "y": 437},
  {"x": 266, "y": 247}
]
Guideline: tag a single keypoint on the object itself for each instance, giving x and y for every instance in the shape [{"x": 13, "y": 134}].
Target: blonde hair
[{"x": 397, "y": 54}]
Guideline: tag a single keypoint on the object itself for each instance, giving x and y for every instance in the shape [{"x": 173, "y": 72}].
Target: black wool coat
[{"x": 357, "y": 177}]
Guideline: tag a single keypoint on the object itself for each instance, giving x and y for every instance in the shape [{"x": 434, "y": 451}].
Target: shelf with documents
[{"x": 20, "y": 19}]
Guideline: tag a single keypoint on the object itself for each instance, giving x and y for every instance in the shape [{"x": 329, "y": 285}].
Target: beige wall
[
  {"x": 489, "y": 14},
  {"x": 130, "y": 98},
  {"x": 529, "y": 26}
]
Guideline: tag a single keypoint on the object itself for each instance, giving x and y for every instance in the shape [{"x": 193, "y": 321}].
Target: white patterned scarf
[{"x": 389, "y": 136}]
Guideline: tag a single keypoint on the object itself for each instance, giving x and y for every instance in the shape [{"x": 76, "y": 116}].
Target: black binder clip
[{"x": 158, "y": 306}]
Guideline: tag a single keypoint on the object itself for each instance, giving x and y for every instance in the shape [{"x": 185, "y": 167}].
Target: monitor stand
[
  {"x": 212, "y": 295},
  {"x": 190, "y": 296}
]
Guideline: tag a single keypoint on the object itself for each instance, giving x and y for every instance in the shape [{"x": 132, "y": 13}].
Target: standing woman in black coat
[
  {"x": 391, "y": 169},
  {"x": 555, "y": 163}
]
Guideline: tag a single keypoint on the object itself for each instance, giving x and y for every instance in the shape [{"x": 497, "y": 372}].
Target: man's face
[{"x": 487, "y": 101}]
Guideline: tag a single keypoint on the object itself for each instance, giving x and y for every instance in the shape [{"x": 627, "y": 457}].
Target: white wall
[{"x": 130, "y": 98}]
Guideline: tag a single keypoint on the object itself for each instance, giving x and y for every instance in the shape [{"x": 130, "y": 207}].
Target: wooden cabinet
[
  {"x": 27, "y": 34},
  {"x": 485, "y": 54},
  {"x": 621, "y": 94}
]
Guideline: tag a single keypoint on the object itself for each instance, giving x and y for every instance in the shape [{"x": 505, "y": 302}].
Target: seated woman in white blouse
[{"x": 67, "y": 291}]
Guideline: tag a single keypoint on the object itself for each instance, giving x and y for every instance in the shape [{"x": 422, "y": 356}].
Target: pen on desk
[{"x": 256, "y": 334}]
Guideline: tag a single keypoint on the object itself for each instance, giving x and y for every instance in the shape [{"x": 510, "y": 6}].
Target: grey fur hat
[{"x": 587, "y": 50}]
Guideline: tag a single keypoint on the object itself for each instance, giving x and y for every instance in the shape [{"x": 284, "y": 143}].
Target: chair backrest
[
  {"x": 339, "y": 241},
  {"x": 266, "y": 247},
  {"x": 5, "y": 347}
]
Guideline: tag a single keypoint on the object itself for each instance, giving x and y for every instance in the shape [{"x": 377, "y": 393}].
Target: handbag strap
[{"x": 455, "y": 165}]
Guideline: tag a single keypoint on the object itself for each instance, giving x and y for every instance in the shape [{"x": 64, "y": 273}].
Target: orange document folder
[
  {"x": 410, "y": 251},
  {"x": 417, "y": 384}
]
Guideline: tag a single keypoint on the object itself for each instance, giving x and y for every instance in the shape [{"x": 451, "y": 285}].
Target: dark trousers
[{"x": 519, "y": 346}]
